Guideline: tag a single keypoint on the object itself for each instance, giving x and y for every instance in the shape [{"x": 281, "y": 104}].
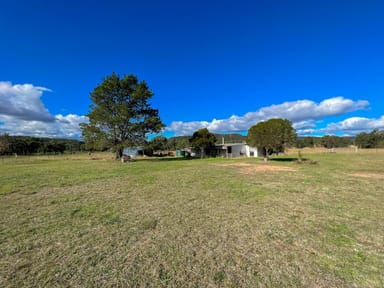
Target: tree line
[
  {"x": 374, "y": 139},
  {"x": 121, "y": 116},
  {"x": 26, "y": 145},
  {"x": 273, "y": 135},
  {"x": 366, "y": 140}
]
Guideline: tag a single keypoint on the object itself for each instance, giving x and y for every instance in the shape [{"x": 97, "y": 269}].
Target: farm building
[
  {"x": 133, "y": 152},
  {"x": 235, "y": 150},
  {"x": 229, "y": 150}
]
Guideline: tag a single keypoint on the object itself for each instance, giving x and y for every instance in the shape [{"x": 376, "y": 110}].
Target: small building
[
  {"x": 180, "y": 153},
  {"x": 133, "y": 152},
  {"x": 228, "y": 150},
  {"x": 235, "y": 150}
]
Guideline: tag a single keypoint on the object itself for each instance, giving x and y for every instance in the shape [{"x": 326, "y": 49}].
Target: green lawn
[{"x": 70, "y": 221}]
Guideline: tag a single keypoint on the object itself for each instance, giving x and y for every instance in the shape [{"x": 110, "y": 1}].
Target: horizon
[
  {"x": 218, "y": 65},
  {"x": 186, "y": 136}
]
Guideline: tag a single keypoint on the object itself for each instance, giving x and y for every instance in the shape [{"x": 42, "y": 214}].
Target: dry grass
[{"x": 76, "y": 222}]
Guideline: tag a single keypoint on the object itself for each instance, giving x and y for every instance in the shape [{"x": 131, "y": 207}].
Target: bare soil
[
  {"x": 368, "y": 175},
  {"x": 248, "y": 168}
]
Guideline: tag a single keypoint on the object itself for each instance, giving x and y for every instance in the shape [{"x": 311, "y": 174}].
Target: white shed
[{"x": 235, "y": 150}]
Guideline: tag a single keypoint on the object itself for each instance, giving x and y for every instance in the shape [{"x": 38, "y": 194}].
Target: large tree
[
  {"x": 203, "y": 140},
  {"x": 120, "y": 114},
  {"x": 271, "y": 136}
]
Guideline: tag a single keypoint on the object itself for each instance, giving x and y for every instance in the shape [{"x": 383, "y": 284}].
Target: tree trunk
[
  {"x": 119, "y": 153},
  {"x": 265, "y": 155}
]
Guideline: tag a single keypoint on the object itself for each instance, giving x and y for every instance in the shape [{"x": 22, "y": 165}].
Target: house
[
  {"x": 228, "y": 150},
  {"x": 235, "y": 150}
]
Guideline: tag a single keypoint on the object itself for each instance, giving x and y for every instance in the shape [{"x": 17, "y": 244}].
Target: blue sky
[{"x": 224, "y": 65}]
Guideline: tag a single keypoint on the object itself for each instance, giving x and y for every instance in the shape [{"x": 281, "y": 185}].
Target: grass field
[{"x": 69, "y": 221}]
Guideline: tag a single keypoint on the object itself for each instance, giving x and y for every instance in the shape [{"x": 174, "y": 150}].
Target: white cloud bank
[
  {"x": 62, "y": 127},
  {"x": 354, "y": 125},
  {"x": 302, "y": 113},
  {"x": 23, "y": 113}
]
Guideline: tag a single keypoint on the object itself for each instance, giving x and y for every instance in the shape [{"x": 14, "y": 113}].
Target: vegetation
[
  {"x": 374, "y": 139},
  {"x": 178, "y": 142},
  {"x": 25, "y": 145},
  {"x": 158, "y": 144},
  {"x": 306, "y": 141},
  {"x": 331, "y": 141},
  {"x": 327, "y": 141},
  {"x": 120, "y": 114},
  {"x": 203, "y": 140},
  {"x": 70, "y": 221},
  {"x": 272, "y": 136}
]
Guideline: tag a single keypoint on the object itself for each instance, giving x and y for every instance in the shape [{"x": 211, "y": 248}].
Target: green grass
[{"x": 75, "y": 222}]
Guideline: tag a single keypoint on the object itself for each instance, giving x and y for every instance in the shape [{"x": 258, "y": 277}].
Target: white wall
[
  {"x": 251, "y": 149},
  {"x": 237, "y": 150},
  {"x": 242, "y": 150}
]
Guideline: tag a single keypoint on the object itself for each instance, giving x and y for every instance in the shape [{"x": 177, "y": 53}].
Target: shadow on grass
[
  {"x": 294, "y": 159},
  {"x": 165, "y": 159},
  {"x": 290, "y": 159}
]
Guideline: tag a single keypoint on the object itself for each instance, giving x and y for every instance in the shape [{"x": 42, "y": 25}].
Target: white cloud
[
  {"x": 301, "y": 110},
  {"x": 23, "y": 102},
  {"x": 302, "y": 113},
  {"x": 186, "y": 128},
  {"x": 62, "y": 126},
  {"x": 23, "y": 113},
  {"x": 306, "y": 124},
  {"x": 354, "y": 125}
]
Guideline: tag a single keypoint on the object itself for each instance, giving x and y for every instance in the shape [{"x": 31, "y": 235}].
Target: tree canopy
[
  {"x": 120, "y": 115},
  {"x": 203, "y": 140},
  {"x": 178, "y": 142},
  {"x": 158, "y": 143},
  {"x": 271, "y": 136},
  {"x": 374, "y": 139}
]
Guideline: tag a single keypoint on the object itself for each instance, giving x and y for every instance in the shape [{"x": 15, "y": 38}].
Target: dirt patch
[
  {"x": 368, "y": 175},
  {"x": 247, "y": 168}
]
